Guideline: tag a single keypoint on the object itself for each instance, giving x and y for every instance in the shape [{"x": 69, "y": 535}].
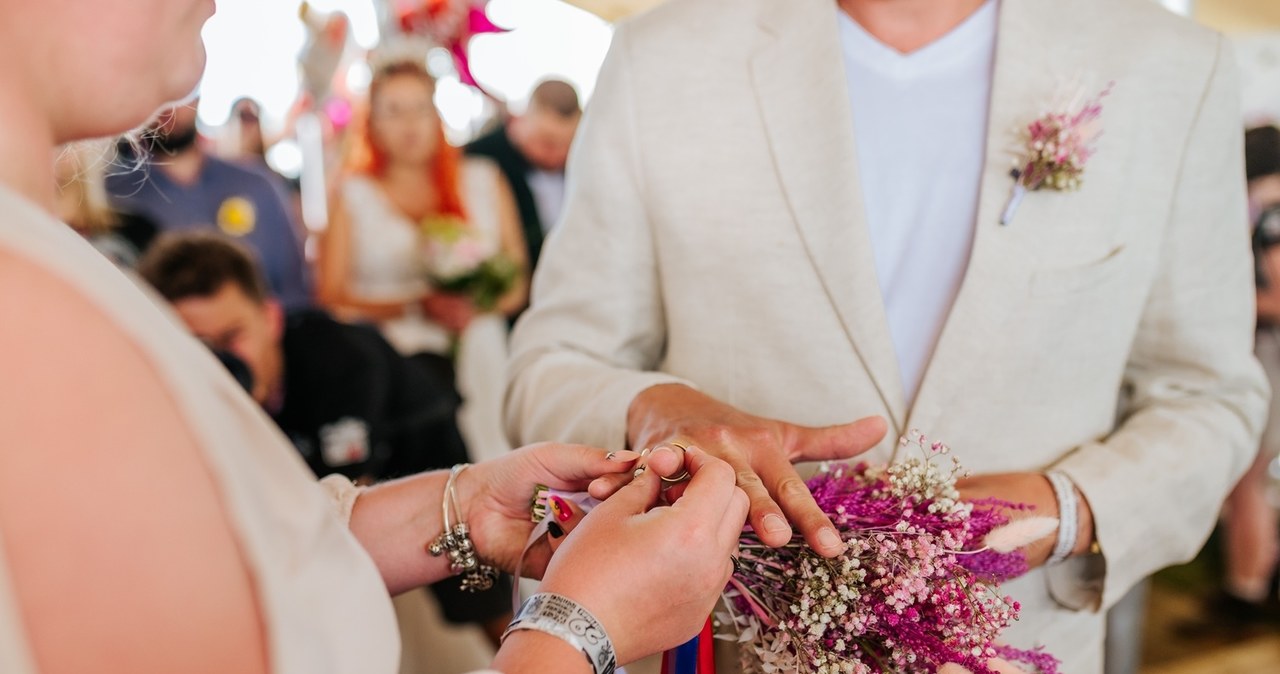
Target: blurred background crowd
[{"x": 286, "y": 210}]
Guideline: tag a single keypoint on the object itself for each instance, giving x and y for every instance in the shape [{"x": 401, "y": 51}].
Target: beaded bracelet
[{"x": 456, "y": 541}]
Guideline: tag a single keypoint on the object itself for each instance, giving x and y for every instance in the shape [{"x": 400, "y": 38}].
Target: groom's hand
[{"x": 760, "y": 451}]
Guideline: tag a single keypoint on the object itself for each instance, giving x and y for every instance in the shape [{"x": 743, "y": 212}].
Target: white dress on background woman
[{"x": 387, "y": 267}]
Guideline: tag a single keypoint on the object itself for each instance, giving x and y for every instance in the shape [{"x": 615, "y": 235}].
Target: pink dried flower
[
  {"x": 1056, "y": 148},
  {"x": 903, "y": 598},
  {"x": 1019, "y": 533}
]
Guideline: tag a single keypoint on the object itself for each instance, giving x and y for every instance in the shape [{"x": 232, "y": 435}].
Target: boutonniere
[{"x": 1056, "y": 148}]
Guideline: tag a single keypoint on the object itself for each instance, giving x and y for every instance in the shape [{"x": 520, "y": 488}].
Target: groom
[{"x": 783, "y": 216}]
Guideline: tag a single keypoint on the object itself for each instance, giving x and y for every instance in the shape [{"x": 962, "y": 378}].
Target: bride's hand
[
  {"x": 496, "y": 496},
  {"x": 651, "y": 575}
]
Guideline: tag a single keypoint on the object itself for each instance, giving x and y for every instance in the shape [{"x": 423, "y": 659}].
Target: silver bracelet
[
  {"x": 456, "y": 541},
  {"x": 565, "y": 619},
  {"x": 1068, "y": 522}
]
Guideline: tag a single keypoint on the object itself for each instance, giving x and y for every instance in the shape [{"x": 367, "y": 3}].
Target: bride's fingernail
[
  {"x": 640, "y": 471},
  {"x": 622, "y": 456},
  {"x": 561, "y": 506},
  {"x": 555, "y": 530},
  {"x": 774, "y": 524}
]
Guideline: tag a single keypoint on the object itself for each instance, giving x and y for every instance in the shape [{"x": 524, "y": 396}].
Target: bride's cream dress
[{"x": 322, "y": 600}]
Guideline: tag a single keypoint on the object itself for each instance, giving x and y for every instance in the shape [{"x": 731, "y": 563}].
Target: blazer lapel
[
  {"x": 999, "y": 272},
  {"x": 798, "y": 73}
]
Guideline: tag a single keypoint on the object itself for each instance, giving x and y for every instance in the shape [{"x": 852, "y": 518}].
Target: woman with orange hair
[{"x": 400, "y": 173}]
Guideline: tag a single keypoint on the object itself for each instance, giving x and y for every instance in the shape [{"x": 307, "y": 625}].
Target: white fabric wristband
[
  {"x": 565, "y": 619},
  {"x": 1068, "y": 516}
]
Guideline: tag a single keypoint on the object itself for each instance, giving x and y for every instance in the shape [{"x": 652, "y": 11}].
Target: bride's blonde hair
[{"x": 82, "y": 178}]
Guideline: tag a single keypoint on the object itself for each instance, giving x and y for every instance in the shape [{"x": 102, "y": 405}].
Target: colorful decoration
[
  {"x": 448, "y": 23},
  {"x": 322, "y": 55}
]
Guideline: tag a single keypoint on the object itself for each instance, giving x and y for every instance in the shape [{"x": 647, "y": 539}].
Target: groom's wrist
[{"x": 1075, "y": 519}]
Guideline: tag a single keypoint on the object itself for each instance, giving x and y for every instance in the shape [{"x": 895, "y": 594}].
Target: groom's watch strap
[{"x": 565, "y": 619}]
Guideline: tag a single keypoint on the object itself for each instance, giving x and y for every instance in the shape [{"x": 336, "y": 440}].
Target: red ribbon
[{"x": 696, "y": 656}]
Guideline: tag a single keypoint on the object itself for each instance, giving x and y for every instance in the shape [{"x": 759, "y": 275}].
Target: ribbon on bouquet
[{"x": 696, "y": 656}]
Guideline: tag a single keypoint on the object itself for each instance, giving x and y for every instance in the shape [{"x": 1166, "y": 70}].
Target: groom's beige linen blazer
[{"x": 714, "y": 235}]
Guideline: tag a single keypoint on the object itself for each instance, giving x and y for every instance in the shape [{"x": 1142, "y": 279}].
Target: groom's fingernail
[
  {"x": 829, "y": 538},
  {"x": 555, "y": 530},
  {"x": 774, "y": 524},
  {"x": 665, "y": 450}
]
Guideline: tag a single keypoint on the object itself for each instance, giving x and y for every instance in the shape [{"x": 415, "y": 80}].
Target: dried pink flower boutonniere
[{"x": 1057, "y": 146}]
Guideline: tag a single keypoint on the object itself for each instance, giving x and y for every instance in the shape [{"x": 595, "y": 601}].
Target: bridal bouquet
[
  {"x": 916, "y": 590},
  {"x": 460, "y": 260}
]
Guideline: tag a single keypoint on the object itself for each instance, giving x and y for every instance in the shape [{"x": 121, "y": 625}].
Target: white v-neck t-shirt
[{"x": 920, "y": 123}]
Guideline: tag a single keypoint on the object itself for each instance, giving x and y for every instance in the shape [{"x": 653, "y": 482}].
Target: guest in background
[
  {"x": 1250, "y": 527},
  {"x": 180, "y": 186},
  {"x": 82, "y": 202},
  {"x": 348, "y": 402},
  {"x": 532, "y": 150},
  {"x": 248, "y": 142},
  {"x": 402, "y": 172}
]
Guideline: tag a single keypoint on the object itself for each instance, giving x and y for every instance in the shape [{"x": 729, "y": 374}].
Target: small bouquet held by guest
[
  {"x": 460, "y": 260},
  {"x": 915, "y": 591}
]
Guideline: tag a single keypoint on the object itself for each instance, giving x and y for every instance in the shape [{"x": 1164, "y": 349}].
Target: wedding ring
[{"x": 684, "y": 474}]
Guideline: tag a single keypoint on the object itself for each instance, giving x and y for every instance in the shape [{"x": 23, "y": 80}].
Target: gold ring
[{"x": 684, "y": 474}]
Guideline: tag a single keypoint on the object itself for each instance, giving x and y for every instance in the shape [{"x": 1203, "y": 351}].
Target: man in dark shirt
[
  {"x": 531, "y": 150},
  {"x": 342, "y": 394}
]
